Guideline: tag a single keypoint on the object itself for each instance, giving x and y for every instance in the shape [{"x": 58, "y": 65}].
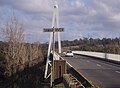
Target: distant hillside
[{"x": 108, "y": 45}]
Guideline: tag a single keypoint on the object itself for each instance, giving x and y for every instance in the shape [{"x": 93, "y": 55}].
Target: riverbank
[{"x": 32, "y": 77}]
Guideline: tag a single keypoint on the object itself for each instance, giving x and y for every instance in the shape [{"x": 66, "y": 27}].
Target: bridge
[
  {"x": 92, "y": 71},
  {"x": 84, "y": 69},
  {"x": 100, "y": 72}
]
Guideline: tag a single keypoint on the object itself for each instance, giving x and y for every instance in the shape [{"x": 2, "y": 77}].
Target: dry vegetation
[
  {"x": 105, "y": 45},
  {"x": 16, "y": 53}
]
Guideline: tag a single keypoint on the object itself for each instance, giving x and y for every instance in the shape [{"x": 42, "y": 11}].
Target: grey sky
[{"x": 80, "y": 18}]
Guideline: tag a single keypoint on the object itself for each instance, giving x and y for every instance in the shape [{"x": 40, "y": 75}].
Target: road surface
[{"x": 101, "y": 73}]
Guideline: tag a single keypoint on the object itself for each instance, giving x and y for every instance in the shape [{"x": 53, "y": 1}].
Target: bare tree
[
  {"x": 15, "y": 51},
  {"x": 35, "y": 51}
]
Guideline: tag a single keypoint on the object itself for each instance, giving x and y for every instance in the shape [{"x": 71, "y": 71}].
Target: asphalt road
[{"x": 101, "y": 73}]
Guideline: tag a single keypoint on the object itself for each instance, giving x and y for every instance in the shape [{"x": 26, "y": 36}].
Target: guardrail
[
  {"x": 113, "y": 57},
  {"x": 84, "y": 82}
]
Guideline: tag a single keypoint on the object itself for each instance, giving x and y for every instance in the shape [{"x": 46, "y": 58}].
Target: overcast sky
[{"x": 80, "y": 18}]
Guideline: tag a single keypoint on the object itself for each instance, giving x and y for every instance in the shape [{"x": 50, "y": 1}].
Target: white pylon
[{"x": 55, "y": 23}]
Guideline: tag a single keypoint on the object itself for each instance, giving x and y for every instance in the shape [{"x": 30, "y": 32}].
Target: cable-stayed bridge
[{"x": 83, "y": 70}]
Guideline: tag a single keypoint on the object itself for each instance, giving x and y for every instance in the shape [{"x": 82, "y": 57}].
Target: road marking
[
  {"x": 88, "y": 61},
  {"x": 99, "y": 65},
  {"x": 118, "y": 72}
]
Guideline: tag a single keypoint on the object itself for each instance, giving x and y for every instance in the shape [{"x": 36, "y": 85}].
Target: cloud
[
  {"x": 80, "y": 17},
  {"x": 36, "y": 6}
]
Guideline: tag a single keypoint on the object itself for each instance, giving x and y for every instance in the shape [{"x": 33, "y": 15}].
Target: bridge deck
[{"x": 104, "y": 74}]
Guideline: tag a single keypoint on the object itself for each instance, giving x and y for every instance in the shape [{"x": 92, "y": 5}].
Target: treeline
[
  {"x": 15, "y": 54},
  {"x": 108, "y": 45}
]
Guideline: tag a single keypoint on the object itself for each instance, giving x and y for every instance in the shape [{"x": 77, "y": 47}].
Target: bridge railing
[
  {"x": 77, "y": 75},
  {"x": 108, "y": 56},
  {"x": 56, "y": 56}
]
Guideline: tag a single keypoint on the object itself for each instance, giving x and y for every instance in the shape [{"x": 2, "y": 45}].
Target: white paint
[
  {"x": 98, "y": 65},
  {"x": 118, "y": 72},
  {"x": 69, "y": 64},
  {"x": 88, "y": 61},
  {"x": 115, "y": 57},
  {"x": 55, "y": 24}
]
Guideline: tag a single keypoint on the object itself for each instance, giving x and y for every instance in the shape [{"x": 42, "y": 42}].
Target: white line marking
[
  {"x": 88, "y": 61},
  {"x": 117, "y": 71},
  {"x": 99, "y": 65}
]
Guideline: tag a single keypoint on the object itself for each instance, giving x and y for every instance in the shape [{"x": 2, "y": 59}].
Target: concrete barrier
[
  {"x": 85, "y": 82},
  {"x": 113, "y": 57}
]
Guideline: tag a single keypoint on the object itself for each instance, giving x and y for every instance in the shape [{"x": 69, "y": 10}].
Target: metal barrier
[
  {"x": 107, "y": 56},
  {"x": 69, "y": 78},
  {"x": 79, "y": 77}
]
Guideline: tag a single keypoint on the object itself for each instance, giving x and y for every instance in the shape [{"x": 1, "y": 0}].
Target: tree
[
  {"x": 34, "y": 51},
  {"x": 18, "y": 54},
  {"x": 15, "y": 51}
]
